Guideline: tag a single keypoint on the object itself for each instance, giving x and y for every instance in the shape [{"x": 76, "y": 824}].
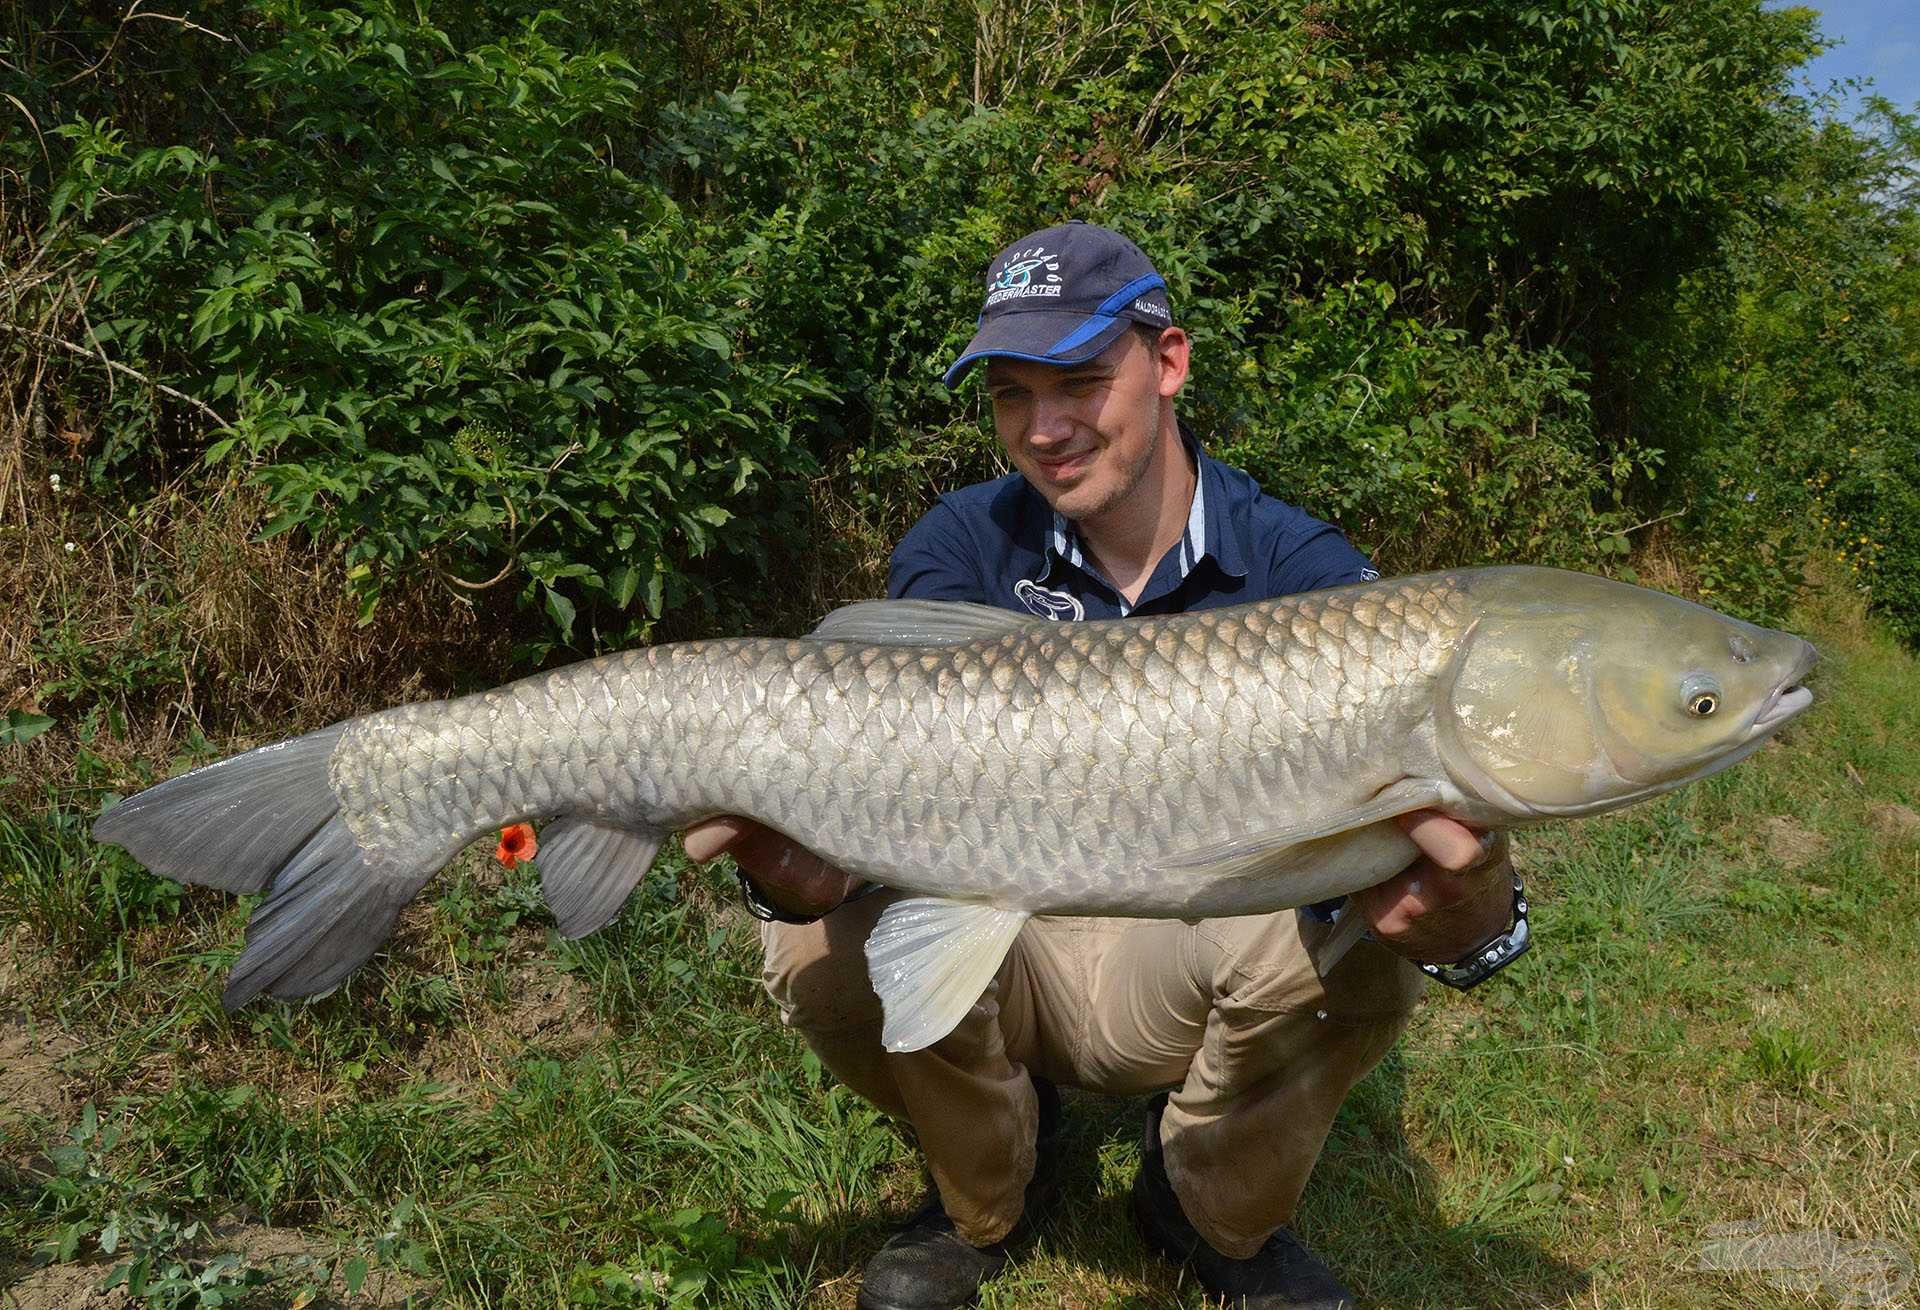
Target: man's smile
[{"x": 1060, "y": 468}]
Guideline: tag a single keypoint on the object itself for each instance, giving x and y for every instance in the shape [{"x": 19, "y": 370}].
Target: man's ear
[{"x": 1175, "y": 353}]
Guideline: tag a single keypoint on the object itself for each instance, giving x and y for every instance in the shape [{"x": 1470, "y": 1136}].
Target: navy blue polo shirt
[{"x": 1000, "y": 543}]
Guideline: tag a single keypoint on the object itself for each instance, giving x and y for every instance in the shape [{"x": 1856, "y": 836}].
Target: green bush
[
  {"x": 1788, "y": 376},
  {"x": 613, "y": 310},
  {"x": 451, "y": 329}
]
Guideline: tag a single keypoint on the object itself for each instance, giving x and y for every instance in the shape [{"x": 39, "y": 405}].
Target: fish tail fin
[
  {"x": 268, "y": 821},
  {"x": 328, "y": 910},
  {"x": 234, "y": 824}
]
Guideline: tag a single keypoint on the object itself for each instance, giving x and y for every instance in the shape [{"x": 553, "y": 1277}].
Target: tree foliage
[{"x": 587, "y": 305}]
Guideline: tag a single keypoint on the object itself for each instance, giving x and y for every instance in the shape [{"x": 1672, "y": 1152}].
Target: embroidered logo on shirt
[{"x": 1046, "y": 602}]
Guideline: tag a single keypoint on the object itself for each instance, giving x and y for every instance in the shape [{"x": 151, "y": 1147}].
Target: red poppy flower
[{"x": 516, "y": 844}]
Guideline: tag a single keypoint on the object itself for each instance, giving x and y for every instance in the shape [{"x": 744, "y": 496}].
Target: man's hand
[
  {"x": 793, "y": 877},
  {"x": 1454, "y": 899}
]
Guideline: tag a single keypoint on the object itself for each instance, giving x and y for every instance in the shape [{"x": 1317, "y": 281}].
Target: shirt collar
[{"x": 1208, "y": 529}]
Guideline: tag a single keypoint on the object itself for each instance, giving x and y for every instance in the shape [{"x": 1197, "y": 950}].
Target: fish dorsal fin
[
  {"x": 1270, "y": 848},
  {"x": 930, "y": 959},
  {"x": 588, "y": 869},
  {"x": 918, "y": 623}
]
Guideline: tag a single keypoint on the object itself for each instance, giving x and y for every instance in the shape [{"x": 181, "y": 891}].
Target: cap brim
[{"x": 1043, "y": 336}]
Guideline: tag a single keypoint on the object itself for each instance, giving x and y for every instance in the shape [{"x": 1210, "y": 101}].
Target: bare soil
[
  {"x": 1790, "y": 844},
  {"x": 295, "y": 1261},
  {"x": 1894, "y": 820},
  {"x": 33, "y": 1080}
]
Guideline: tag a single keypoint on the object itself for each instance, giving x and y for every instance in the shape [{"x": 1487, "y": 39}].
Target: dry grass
[{"x": 140, "y": 631}]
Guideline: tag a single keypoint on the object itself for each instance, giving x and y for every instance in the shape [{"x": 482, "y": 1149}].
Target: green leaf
[
  {"x": 20, "y": 727},
  {"x": 280, "y": 524},
  {"x": 626, "y": 581},
  {"x": 561, "y": 611}
]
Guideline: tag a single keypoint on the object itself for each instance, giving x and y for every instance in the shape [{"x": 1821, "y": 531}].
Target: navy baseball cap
[{"x": 1062, "y": 295}]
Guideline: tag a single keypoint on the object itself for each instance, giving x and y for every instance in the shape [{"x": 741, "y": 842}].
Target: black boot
[
  {"x": 927, "y": 1265},
  {"x": 1282, "y": 1275}
]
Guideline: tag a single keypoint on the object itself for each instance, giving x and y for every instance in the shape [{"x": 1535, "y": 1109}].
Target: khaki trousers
[{"x": 1231, "y": 1014}]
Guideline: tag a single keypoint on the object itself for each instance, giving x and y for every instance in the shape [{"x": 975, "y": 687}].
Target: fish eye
[{"x": 1701, "y": 695}]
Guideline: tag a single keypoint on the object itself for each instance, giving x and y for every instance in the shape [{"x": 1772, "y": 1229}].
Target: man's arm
[
  {"x": 936, "y": 560},
  {"x": 791, "y": 876},
  {"x": 1448, "y": 903}
]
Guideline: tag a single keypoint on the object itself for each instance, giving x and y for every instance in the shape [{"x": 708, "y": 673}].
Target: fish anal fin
[
  {"x": 930, "y": 959},
  {"x": 1276, "y": 848},
  {"x": 588, "y": 868}
]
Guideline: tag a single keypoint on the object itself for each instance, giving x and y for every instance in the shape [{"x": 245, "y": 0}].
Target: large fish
[{"x": 1233, "y": 761}]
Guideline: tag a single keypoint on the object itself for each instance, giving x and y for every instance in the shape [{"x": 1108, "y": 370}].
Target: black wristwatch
[
  {"x": 1479, "y": 965},
  {"x": 767, "y": 912}
]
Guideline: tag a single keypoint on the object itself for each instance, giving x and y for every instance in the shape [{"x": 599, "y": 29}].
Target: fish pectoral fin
[
  {"x": 930, "y": 960},
  {"x": 918, "y": 622},
  {"x": 1274, "y": 847},
  {"x": 588, "y": 869}
]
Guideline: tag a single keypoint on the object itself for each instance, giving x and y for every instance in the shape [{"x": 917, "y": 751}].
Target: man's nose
[{"x": 1053, "y": 420}]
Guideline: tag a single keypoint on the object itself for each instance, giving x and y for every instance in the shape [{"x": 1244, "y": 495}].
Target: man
[{"x": 1114, "y": 510}]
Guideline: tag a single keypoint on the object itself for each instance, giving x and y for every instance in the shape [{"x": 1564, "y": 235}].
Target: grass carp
[{"x": 997, "y": 766}]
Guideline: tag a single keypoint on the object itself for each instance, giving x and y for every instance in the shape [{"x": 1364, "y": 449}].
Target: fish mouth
[{"x": 1789, "y": 698}]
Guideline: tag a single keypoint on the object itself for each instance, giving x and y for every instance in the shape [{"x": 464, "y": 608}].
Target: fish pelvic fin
[
  {"x": 589, "y": 868},
  {"x": 930, "y": 960}
]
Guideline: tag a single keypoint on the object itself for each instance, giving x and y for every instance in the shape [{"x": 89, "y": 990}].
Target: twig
[
  {"x": 118, "y": 367},
  {"x": 1650, "y": 522},
  {"x": 513, "y": 555},
  {"x": 21, "y": 105},
  {"x": 80, "y": 308},
  {"x": 133, "y": 12}
]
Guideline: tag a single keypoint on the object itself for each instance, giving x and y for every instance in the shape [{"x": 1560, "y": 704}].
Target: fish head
[{"x": 1573, "y": 694}]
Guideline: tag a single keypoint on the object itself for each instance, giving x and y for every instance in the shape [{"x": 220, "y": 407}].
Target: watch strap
[{"x": 1481, "y": 964}]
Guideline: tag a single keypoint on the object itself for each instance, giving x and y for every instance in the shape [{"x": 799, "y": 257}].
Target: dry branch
[{"x": 118, "y": 367}]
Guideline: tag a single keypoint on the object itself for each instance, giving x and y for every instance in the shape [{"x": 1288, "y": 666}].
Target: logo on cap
[{"x": 1016, "y": 276}]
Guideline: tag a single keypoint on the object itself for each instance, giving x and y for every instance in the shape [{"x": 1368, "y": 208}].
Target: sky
[{"x": 1880, "y": 39}]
